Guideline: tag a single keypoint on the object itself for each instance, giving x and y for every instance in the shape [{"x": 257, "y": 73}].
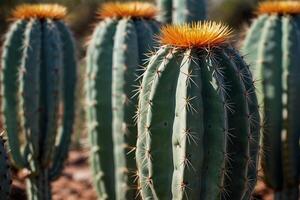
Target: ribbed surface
[
  {"x": 272, "y": 47},
  {"x": 194, "y": 127},
  {"x": 115, "y": 57},
  {"x": 180, "y": 11},
  {"x": 38, "y": 101}
]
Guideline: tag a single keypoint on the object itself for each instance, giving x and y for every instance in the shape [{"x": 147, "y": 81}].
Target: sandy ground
[{"x": 75, "y": 182}]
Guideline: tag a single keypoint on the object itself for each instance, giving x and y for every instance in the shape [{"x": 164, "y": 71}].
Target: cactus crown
[
  {"x": 128, "y": 10},
  {"x": 41, "y": 11},
  {"x": 195, "y": 35},
  {"x": 279, "y": 7}
]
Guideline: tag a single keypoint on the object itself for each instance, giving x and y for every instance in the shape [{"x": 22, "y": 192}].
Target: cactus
[
  {"x": 5, "y": 180},
  {"x": 115, "y": 55},
  {"x": 198, "y": 124},
  {"x": 272, "y": 46},
  {"x": 179, "y": 11},
  {"x": 38, "y": 78}
]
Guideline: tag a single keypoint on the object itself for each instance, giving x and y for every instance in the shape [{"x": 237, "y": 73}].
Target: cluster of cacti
[
  {"x": 273, "y": 47},
  {"x": 181, "y": 123},
  {"x": 115, "y": 55},
  {"x": 38, "y": 80},
  {"x": 198, "y": 126},
  {"x": 179, "y": 11},
  {"x": 5, "y": 175}
]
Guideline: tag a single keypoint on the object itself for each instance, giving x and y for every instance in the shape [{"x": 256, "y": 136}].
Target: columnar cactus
[
  {"x": 5, "y": 180},
  {"x": 198, "y": 119},
  {"x": 115, "y": 55},
  {"x": 273, "y": 47},
  {"x": 179, "y": 11},
  {"x": 38, "y": 78}
]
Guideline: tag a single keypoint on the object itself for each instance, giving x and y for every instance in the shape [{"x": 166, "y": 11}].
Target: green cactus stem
[
  {"x": 198, "y": 118},
  {"x": 272, "y": 45},
  {"x": 180, "y": 11},
  {"x": 38, "y": 77},
  {"x": 115, "y": 57}
]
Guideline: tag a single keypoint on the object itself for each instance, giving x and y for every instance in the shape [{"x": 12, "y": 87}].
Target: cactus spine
[
  {"x": 5, "y": 180},
  {"x": 115, "y": 55},
  {"x": 198, "y": 122},
  {"x": 38, "y": 77},
  {"x": 179, "y": 11},
  {"x": 273, "y": 46}
]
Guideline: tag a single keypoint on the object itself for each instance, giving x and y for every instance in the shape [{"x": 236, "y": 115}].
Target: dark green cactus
[
  {"x": 5, "y": 180},
  {"x": 198, "y": 124},
  {"x": 272, "y": 46},
  {"x": 38, "y": 78},
  {"x": 179, "y": 11},
  {"x": 115, "y": 55}
]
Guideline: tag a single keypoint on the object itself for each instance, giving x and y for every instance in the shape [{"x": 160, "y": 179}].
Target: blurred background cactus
[
  {"x": 116, "y": 54},
  {"x": 272, "y": 46},
  {"x": 38, "y": 86},
  {"x": 233, "y": 12},
  {"x": 81, "y": 18},
  {"x": 178, "y": 11}
]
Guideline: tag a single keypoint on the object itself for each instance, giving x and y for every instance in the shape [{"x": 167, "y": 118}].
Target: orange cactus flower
[
  {"x": 279, "y": 7},
  {"x": 40, "y": 11},
  {"x": 195, "y": 35},
  {"x": 128, "y": 10}
]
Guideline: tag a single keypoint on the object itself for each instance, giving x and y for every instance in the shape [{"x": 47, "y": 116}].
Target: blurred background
[
  {"x": 82, "y": 13},
  {"x": 75, "y": 182}
]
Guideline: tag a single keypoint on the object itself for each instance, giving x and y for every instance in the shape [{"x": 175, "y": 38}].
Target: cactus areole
[
  {"x": 115, "y": 57},
  {"x": 198, "y": 120},
  {"x": 38, "y": 79},
  {"x": 272, "y": 46}
]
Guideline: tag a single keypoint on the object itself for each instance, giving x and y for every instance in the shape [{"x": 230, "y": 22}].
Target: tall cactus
[
  {"x": 273, "y": 47},
  {"x": 115, "y": 55},
  {"x": 180, "y": 11},
  {"x": 38, "y": 78},
  {"x": 5, "y": 180},
  {"x": 198, "y": 124}
]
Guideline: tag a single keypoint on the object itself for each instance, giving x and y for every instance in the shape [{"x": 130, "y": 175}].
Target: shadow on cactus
[
  {"x": 38, "y": 77},
  {"x": 115, "y": 57},
  {"x": 5, "y": 174},
  {"x": 272, "y": 45},
  {"x": 198, "y": 124}
]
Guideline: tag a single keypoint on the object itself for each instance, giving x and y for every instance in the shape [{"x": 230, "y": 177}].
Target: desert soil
[{"x": 75, "y": 182}]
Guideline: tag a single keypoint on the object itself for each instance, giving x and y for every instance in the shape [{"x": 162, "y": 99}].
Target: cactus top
[
  {"x": 195, "y": 35},
  {"x": 279, "y": 7},
  {"x": 40, "y": 11},
  {"x": 128, "y": 10}
]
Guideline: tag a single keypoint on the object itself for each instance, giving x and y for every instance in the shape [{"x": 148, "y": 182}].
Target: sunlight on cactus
[
  {"x": 198, "y": 120},
  {"x": 115, "y": 58},
  {"x": 38, "y": 78},
  {"x": 272, "y": 46}
]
